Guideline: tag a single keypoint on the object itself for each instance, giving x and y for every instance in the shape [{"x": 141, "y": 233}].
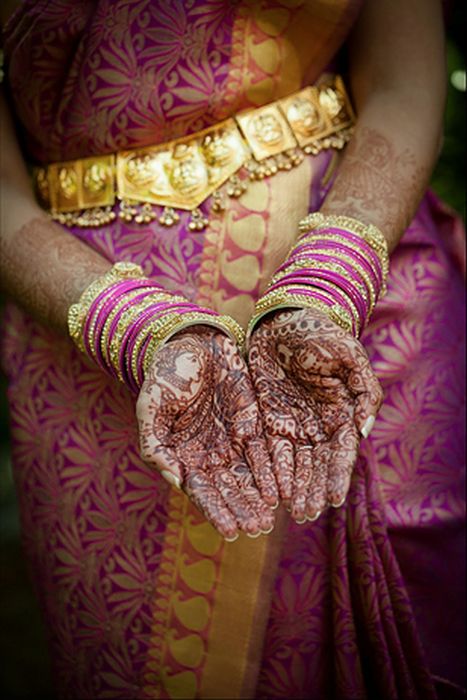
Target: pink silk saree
[{"x": 141, "y": 597}]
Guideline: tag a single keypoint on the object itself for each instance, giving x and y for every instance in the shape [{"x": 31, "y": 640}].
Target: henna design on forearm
[
  {"x": 45, "y": 269},
  {"x": 198, "y": 417},
  {"x": 315, "y": 388},
  {"x": 377, "y": 184}
]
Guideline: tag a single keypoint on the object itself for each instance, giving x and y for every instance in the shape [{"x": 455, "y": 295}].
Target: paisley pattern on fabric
[{"x": 135, "y": 586}]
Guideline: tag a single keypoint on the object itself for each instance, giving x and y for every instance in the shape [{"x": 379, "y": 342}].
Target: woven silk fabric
[
  {"x": 110, "y": 74},
  {"x": 141, "y": 597}
]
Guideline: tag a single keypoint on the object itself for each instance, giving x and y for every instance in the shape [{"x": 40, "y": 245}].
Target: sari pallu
[{"x": 142, "y": 598}]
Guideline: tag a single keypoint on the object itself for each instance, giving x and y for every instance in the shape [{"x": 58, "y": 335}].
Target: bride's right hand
[{"x": 199, "y": 424}]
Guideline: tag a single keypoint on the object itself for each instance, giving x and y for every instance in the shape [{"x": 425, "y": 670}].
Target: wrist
[
  {"x": 122, "y": 319},
  {"x": 338, "y": 267}
]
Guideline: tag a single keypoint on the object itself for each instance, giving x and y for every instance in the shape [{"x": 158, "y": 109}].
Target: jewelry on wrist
[
  {"x": 123, "y": 318},
  {"x": 338, "y": 265}
]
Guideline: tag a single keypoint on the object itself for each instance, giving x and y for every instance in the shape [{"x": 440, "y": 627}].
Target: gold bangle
[
  {"x": 333, "y": 267},
  {"x": 77, "y": 312},
  {"x": 284, "y": 294},
  {"x": 129, "y": 313},
  {"x": 350, "y": 302},
  {"x": 146, "y": 330},
  {"x": 126, "y": 319},
  {"x": 356, "y": 266},
  {"x": 326, "y": 236},
  {"x": 369, "y": 232},
  {"x": 353, "y": 314},
  {"x": 281, "y": 299}
]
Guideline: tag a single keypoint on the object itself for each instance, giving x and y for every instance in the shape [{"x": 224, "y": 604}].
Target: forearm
[
  {"x": 398, "y": 85},
  {"x": 42, "y": 266}
]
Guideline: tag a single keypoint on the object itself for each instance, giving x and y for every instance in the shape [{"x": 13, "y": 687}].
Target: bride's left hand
[{"x": 318, "y": 394}]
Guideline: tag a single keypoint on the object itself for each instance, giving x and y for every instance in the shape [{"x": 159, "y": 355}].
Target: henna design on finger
[
  {"x": 198, "y": 415},
  {"x": 345, "y": 444},
  {"x": 244, "y": 477},
  {"x": 314, "y": 382},
  {"x": 282, "y": 455},
  {"x": 317, "y": 493},
  {"x": 208, "y": 499},
  {"x": 303, "y": 474}
]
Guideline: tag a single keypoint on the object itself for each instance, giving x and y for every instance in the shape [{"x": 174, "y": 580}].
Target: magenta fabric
[
  {"x": 368, "y": 600},
  {"x": 346, "y": 581}
]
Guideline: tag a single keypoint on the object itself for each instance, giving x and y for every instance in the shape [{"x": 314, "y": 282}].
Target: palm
[
  {"x": 198, "y": 417},
  {"x": 316, "y": 388}
]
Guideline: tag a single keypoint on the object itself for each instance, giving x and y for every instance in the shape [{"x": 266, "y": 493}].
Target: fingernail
[
  {"x": 171, "y": 478},
  {"x": 367, "y": 426},
  {"x": 338, "y": 504},
  {"x": 267, "y": 532},
  {"x": 231, "y": 539},
  {"x": 311, "y": 518}
]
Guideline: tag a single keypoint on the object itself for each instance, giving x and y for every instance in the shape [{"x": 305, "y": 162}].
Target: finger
[
  {"x": 247, "y": 520},
  {"x": 282, "y": 455},
  {"x": 302, "y": 478},
  {"x": 209, "y": 501},
  {"x": 344, "y": 448},
  {"x": 259, "y": 462},
  {"x": 164, "y": 459},
  {"x": 152, "y": 451},
  {"x": 366, "y": 409},
  {"x": 317, "y": 492},
  {"x": 365, "y": 386},
  {"x": 245, "y": 482}
]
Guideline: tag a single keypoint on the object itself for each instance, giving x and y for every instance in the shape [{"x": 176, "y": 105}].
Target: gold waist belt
[{"x": 183, "y": 173}]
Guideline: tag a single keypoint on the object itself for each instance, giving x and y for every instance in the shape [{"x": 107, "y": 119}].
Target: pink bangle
[
  {"x": 320, "y": 257},
  {"x": 339, "y": 297},
  {"x": 140, "y": 326},
  {"x": 129, "y": 303},
  {"x": 306, "y": 276},
  {"x": 107, "y": 298},
  {"x": 341, "y": 233},
  {"x": 375, "y": 274}
]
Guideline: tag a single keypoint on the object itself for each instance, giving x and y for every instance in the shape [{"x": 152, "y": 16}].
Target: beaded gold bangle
[
  {"x": 281, "y": 299},
  {"x": 337, "y": 255},
  {"x": 370, "y": 233},
  {"x": 128, "y": 317},
  {"x": 77, "y": 312},
  {"x": 123, "y": 318},
  {"x": 334, "y": 237},
  {"x": 128, "y": 314},
  {"x": 306, "y": 264}
]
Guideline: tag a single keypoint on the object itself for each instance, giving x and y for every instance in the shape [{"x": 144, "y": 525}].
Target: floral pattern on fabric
[
  {"x": 138, "y": 73},
  {"x": 97, "y": 523},
  {"x": 413, "y": 458}
]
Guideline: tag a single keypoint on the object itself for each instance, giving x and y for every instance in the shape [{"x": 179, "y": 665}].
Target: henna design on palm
[
  {"x": 199, "y": 420},
  {"x": 316, "y": 390}
]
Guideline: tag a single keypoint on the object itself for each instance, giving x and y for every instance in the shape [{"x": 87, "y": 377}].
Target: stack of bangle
[
  {"x": 338, "y": 266},
  {"x": 123, "y": 318}
]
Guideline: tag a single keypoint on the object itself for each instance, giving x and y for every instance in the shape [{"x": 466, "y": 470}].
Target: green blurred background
[{"x": 23, "y": 657}]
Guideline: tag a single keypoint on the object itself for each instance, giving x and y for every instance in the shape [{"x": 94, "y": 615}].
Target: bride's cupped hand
[
  {"x": 318, "y": 396},
  {"x": 200, "y": 425}
]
